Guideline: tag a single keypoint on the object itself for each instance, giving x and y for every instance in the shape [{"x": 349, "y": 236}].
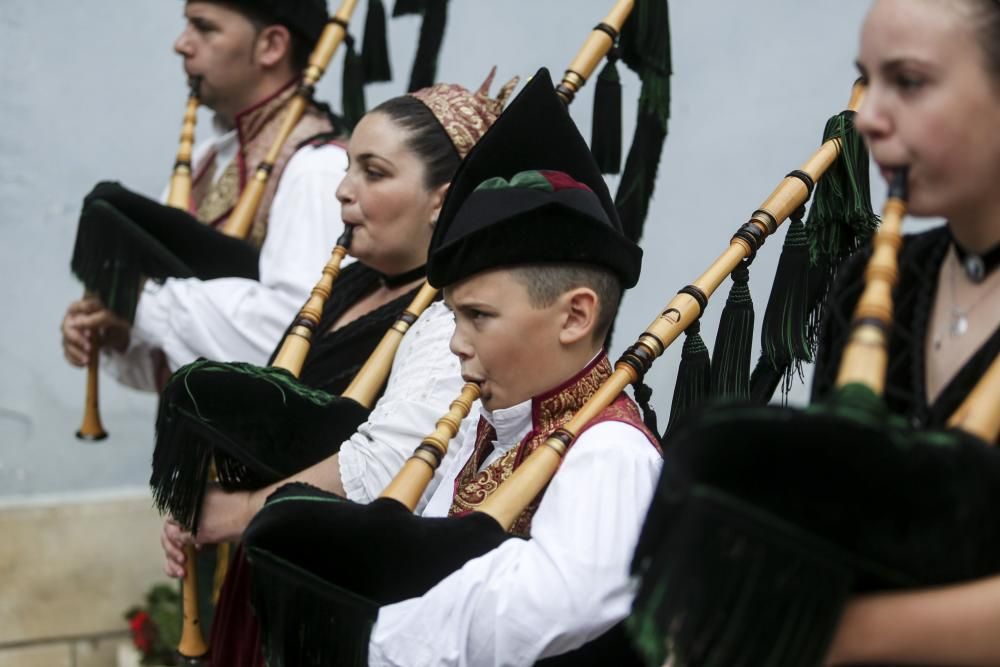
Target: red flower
[{"x": 143, "y": 631}]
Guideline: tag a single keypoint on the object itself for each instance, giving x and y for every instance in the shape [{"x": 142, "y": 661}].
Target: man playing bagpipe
[
  {"x": 244, "y": 58},
  {"x": 530, "y": 254}
]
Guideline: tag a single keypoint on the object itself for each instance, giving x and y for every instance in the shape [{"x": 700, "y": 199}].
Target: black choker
[
  {"x": 977, "y": 267},
  {"x": 400, "y": 279}
]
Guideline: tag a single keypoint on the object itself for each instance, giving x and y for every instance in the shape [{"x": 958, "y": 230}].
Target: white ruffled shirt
[
  {"x": 235, "y": 319},
  {"x": 425, "y": 379},
  {"x": 536, "y": 598}
]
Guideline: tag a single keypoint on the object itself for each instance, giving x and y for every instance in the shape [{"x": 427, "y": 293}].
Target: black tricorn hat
[{"x": 513, "y": 221}]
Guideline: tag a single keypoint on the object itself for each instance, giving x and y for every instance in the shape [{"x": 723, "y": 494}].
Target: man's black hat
[
  {"x": 530, "y": 192},
  {"x": 305, "y": 17}
]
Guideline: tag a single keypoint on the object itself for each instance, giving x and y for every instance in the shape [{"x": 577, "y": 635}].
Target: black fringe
[
  {"x": 425, "y": 62},
  {"x": 258, "y": 425},
  {"x": 712, "y": 583},
  {"x": 694, "y": 377},
  {"x": 308, "y": 622},
  {"x": 375, "y": 62},
  {"x": 734, "y": 341},
  {"x": 353, "y": 85},
  {"x": 606, "y": 128},
  {"x": 112, "y": 255}
]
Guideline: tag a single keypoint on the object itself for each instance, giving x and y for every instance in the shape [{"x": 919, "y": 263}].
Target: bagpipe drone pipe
[{"x": 766, "y": 520}]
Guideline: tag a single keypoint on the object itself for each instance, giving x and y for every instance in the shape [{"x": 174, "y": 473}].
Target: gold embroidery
[
  {"x": 258, "y": 128},
  {"x": 549, "y": 413},
  {"x": 221, "y": 197}
]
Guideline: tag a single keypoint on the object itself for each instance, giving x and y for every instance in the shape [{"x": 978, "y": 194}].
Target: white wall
[{"x": 93, "y": 91}]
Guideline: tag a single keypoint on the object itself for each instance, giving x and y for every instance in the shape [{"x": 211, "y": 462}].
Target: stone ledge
[{"x": 71, "y": 567}]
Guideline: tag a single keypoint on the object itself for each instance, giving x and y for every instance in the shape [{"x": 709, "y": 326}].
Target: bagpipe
[
  {"x": 766, "y": 520},
  {"x": 124, "y": 238}
]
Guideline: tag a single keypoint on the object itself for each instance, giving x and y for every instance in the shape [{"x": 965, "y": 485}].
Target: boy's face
[{"x": 509, "y": 347}]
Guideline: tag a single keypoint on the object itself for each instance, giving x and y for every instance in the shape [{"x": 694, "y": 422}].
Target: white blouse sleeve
[
  {"x": 531, "y": 599},
  {"x": 234, "y": 319},
  {"x": 425, "y": 379}
]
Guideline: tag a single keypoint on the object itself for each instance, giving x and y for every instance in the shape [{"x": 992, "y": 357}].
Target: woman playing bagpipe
[
  {"x": 533, "y": 263},
  {"x": 862, "y": 531},
  {"x": 402, "y": 155},
  {"x": 933, "y": 103}
]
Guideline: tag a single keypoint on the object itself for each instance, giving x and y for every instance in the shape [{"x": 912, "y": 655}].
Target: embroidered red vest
[
  {"x": 549, "y": 412},
  {"x": 256, "y": 129}
]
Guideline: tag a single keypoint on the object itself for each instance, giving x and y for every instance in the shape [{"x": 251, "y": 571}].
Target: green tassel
[
  {"x": 375, "y": 49},
  {"x": 606, "y": 136},
  {"x": 645, "y": 47},
  {"x": 840, "y": 220},
  {"x": 353, "y": 86},
  {"x": 734, "y": 341},
  {"x": 694, "y": 377},
  {"x": 403, "y": 7},
  {"x": 425, "y": 62}
]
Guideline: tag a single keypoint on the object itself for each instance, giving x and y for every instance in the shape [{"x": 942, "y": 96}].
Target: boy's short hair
[{"x": 548, "y": 281}]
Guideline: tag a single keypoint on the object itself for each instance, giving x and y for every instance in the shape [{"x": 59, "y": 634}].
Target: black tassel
[
  {"x": 375, "y": 48},
  {"x": 425, "y": 62},
  {"x": 694, "y": 377},
  {"x": 643, "y": 395},
  {"x": 307, "y": 621},
  {"x": 606, "y": 129},
  {"x": 403, "y": 7},
  {"x": 734, "y": 341},
  {"x": 353, "y": 86},
  {"x": 784, "y": 336},
  {"x": 645, "y": 47}
]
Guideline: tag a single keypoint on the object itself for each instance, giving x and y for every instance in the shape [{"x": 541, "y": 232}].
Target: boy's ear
[{"x": 580, "y": 310}]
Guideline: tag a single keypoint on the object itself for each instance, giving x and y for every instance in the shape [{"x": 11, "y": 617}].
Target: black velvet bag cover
[
  {"x": 323, "y": 565},
  {"x": 259, "y": 425},
  {"x": 123, "y": 237},
  {"x": 766, "y": 520}
]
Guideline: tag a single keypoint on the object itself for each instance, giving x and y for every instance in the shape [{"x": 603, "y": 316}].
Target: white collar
[{"x": 511, "y": 424}]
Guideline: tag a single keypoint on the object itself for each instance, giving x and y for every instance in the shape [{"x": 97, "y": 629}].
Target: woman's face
[
  {"x": 931, "y": 104},
  {"x": 385, "y": 199}
]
